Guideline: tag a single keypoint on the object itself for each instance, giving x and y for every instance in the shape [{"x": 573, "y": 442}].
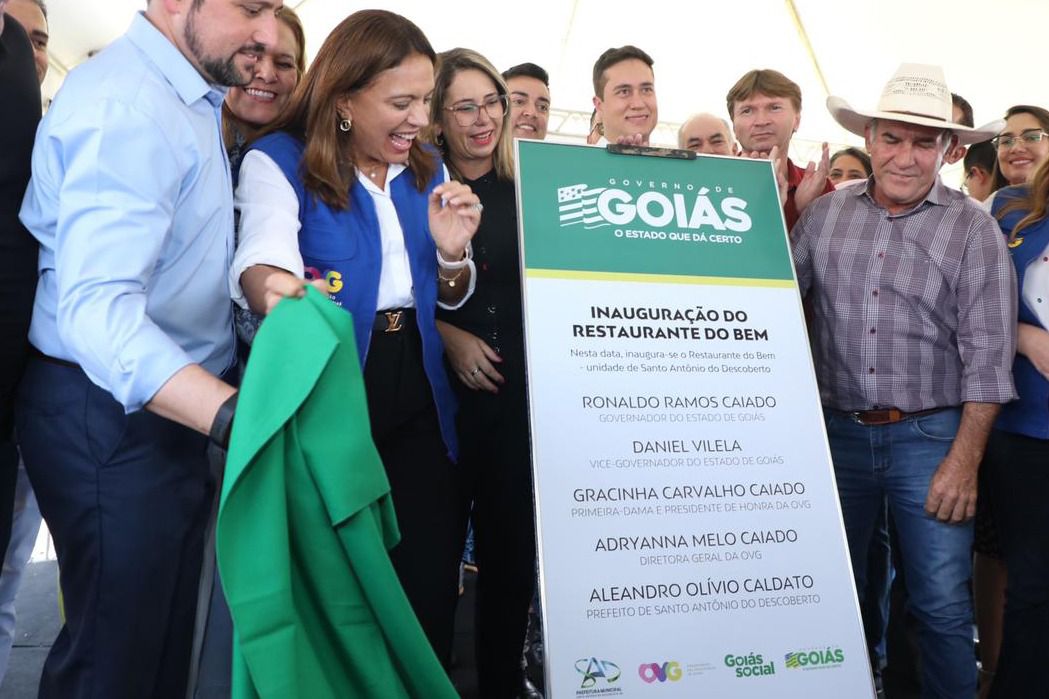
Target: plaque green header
[{"x": 583, "y": 209}]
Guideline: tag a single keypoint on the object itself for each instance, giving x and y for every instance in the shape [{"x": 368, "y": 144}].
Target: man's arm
[
  {"x": 191, "y": 397},
  {"x": 952, "y": 491}
]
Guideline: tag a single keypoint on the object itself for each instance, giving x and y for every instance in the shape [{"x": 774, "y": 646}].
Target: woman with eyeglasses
[
  {"x": 343, "y": 191},
  {"x": 485, "y": 346},
  {"x": 1023, "y": 144},
  {"x": 1021, "y": 148},
  {"x": 1017, "y": 460}
]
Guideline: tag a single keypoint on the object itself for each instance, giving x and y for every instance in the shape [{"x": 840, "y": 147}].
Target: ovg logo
[
  {"x": 656, "y": 672},
  {"x": 331, "y": 277},
  {"x": 593, "y": 670},
  {"x": 689, "y": 208},
  {"x": 814, "y": 659}
]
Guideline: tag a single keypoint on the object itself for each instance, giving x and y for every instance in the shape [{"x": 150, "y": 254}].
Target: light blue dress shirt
[{"x": 132, "y": 203}]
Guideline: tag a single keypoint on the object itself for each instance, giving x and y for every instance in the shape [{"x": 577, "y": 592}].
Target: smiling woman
[
  {"x": 342, "y": 192},
  {"x": 1023, "y": 144},
  {"x": 485, "y": 347},
  {"x": 250, "y": 108}
]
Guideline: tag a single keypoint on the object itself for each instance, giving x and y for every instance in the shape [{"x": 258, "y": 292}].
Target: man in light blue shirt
[{"x": 131, "y": 202}]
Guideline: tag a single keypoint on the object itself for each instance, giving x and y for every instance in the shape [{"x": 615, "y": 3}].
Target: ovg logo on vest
[{"x": 671, "y": 204}]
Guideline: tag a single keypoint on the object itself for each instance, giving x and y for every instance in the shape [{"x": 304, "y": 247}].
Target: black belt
[
  {"x": 887, "y": 416},
  {"x": 37, "y": 354},
  {"x": 394, "y": 321}
]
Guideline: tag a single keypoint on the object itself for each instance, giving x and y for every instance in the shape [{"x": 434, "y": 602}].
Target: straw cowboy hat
[{"x": 916, "y": 94}]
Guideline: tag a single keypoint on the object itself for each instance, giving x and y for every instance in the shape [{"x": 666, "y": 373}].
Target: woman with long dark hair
[
  {"x": 343, "y": 191},
  {"x": 1017, "y": 461}
]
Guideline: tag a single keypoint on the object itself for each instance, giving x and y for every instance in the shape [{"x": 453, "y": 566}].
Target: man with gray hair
[
  {"x": 707, "y": 134},
  {"x": 913, "y": 328}
]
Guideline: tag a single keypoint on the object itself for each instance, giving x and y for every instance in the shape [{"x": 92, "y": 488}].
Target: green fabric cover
[{"x": 305, "y": 522}]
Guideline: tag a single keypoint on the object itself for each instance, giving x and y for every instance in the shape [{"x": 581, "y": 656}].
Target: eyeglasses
[
  {"x": 466, "y": 113},
  {"x": 1008, "y": 140}
]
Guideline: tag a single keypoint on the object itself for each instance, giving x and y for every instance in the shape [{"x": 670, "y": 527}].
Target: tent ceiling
[{"x": 699, "y": 51}]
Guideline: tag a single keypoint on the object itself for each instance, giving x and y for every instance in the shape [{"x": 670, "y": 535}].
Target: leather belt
[
  {"x": 887, "y": 416},
  {"x": 394, "y": 321},
  {"x": 37, "y": 354}
]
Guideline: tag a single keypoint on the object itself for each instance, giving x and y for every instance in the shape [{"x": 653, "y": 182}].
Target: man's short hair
[
  {"x": 966, "y": 109},
  {"x": 766, "y": 82},
  {"x": 611, "y": 57},
  {"x": 527, "y": 70}
]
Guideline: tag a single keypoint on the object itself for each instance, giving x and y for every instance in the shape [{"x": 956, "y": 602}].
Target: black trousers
[
  {"x": 18, "y": 254},
  {"x": 495, "y": 457},
  {"x": 425, "y": 484},
  {"x": 126, "y": 498},
  {"x": 1017, "y": 467}
]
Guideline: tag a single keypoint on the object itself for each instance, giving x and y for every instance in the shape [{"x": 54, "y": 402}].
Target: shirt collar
[
  {"x": 392, "y": 171},
  {"x": 189, "y": 84},
  {"x": 937, "y": 194}
]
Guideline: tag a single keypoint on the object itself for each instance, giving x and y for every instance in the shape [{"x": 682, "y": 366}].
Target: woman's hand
[
  {"x": 471, "y": 358},
  {"x": 265, "y": 286},
  {"x": 455, "y": 213}
]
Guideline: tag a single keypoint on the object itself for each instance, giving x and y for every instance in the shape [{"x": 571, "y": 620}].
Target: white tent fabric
[{"x": 990, "y": 51}]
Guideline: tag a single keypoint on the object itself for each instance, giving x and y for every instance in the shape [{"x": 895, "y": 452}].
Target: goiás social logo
[
  {"x": 686, "y": 206},
  {"x": 660, "y": 672},
  {"x": 814, "y": 658},
  {"x": 750, "y": 665}
]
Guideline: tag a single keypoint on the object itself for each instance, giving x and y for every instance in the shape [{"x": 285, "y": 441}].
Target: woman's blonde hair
[{"x": 449, "y": 64}]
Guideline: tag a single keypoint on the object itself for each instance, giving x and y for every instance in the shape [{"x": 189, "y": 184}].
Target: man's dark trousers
[{"x": 126, "y": 498}]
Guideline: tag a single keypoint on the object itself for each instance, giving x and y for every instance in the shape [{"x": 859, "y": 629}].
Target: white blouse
[{"x": 269, "y": 231}]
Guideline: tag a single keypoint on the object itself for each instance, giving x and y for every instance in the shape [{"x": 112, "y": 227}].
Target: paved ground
[
  {"x": 38, "y": 624},
  {"x": 36, "y": 628}
]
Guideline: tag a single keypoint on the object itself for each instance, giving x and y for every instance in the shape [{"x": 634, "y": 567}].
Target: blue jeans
[{"x": 896, "y": 463}]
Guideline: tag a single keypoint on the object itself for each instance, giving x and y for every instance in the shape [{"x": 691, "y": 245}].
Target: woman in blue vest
[
  {"x": 342, "y": 191},
  {"x": 485, "y": 345},
  {"x": 1017, "y": 461}
]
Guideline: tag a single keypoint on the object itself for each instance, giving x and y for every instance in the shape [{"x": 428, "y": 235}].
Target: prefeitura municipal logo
[{"x": 600, "y": 677}]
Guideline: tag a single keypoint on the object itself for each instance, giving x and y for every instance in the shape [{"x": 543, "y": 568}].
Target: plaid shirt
[{"x": 915, "y": 310}]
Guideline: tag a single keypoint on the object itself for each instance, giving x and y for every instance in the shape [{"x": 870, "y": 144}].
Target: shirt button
[
  {"x": 871, "y": 370},
  {"x": 881, "y": 254},
  {"x": 491, "y": 309},
  {"x": 872, "y": 331},
  {"x": 874, "y": 293}
]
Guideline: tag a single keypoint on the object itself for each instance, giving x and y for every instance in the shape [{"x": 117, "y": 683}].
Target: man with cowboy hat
[{"x": 913, "y": 334}]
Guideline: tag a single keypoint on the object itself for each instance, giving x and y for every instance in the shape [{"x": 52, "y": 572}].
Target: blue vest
[
  {"x": 1028, "y": 415},
  {"x": 345, "y": 249}
]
